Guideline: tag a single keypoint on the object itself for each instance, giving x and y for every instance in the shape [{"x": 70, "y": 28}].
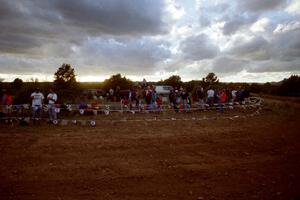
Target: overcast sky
[{"x": 239, "y": 40}]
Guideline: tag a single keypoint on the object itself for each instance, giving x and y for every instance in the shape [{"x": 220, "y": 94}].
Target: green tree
[
  {"x": 117, "y": 81},
  {"x": 290, "y": 86},
  {"x": 174, "y": 81},
  {"x": 191, "y": 85},
  {"x": 65, "y": 83},
  {"x": 65, "y": 74},
  {"x": 17, "y": 84},
  {"x": 211, "y": 78}
]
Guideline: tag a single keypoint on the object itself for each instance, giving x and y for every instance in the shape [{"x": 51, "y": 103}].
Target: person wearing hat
[{"x": 37, "y": 102}]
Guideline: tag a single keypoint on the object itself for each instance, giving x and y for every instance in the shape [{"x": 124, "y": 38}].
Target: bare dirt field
[{"x": 255, "y": 157}]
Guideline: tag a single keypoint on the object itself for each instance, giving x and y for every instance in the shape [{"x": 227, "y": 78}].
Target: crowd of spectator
[
  {"x": 146, "y": 97},
  {"x": 141, "y": 97}
]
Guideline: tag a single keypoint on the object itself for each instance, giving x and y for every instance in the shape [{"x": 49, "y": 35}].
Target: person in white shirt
[
  {"x": 37, "y": 102},
  {"x": 233, "y": 95},
  {"x": 210, "y": 96},
  {"x": 52, "y": 98}
]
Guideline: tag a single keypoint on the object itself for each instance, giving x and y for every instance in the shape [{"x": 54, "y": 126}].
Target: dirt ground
[{"x": 254, "y": 157}]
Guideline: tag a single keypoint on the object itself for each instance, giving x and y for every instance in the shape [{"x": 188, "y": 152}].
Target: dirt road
[{"x": 243, "y": 158}]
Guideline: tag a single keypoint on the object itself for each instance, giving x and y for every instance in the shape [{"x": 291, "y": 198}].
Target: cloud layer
[{"x": 145, "y": 38}]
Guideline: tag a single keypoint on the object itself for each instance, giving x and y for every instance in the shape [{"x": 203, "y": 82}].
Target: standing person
[
  {"x": 238, "y": 97},
  {"x": 9, "y": 103},
  {"x": 52, "y": 98},
  {"x": 153, "y": 98},
  {"x": 139, "y": 95},
  {"x": 233, "y": 95},
  {"x": 37, "y": 102},
  {"x": 111, "y": 94},
  {"x": 186, "y": 101},
  {"x": 172, "y": 97},
  {"x": 144, "y": 84},
  {"x": 117, "y": 94},
  {"x": 148, "y": 97},
  {"x": 228, "y": 95},
  {"x": 245, "y": 95},
  {"x": 177, "y": 101},
  {"x": 3, "y": 104},
  {"x": 223, "y": 99},
  {"x": 184, "y": 96},
  {"x": 133, "y": 101},
  {"x": 159, "y": 103},
  {"x": 6, "y": 104},
  {"x": 217, "y": 96},
  {"x": 210, "y": 96},
  {"x": 200, "y": 96}
]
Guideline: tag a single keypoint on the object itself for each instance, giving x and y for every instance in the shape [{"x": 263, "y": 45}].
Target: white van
[{"x": 164, "y": 91}]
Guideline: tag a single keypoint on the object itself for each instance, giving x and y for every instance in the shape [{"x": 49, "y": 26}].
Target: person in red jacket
[
  {"x": 6, "y": 103},
  {"x": 223, "y": 99},
  {"x": 159, "y": 103},
  {"x": 223, "y": 96}
]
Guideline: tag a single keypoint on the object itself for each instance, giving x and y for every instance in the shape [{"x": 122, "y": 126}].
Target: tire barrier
[
  {"x": 253, "y": 103},
  {"x": 64, "y": 122},
  {"x": 107, "y": 109}
]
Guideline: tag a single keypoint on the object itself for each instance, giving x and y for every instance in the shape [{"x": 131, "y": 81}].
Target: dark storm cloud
[
  {"x": 285, "y": 54},
  {"x": 281, "y": 53},
  {"x": 274, "y": 66},
  {"x": 244, "y": 13},
  {"x": 10, "y": 64},
  {"x": 228, "y": 65},
  {"x": 231, "y": 26},
  {"x": 257, "y": 48},
  {"x": 16, "y": 43},
  {"x": 138, "y": 37},
  {"x": 114, "y": 16},
  {"x": 286, "y": 46},
  {"x": 24, "y": 25},
  {"x": 260, "y": 5},
  {"x": 210, "y": 13},
  {"x": 32, "y": 23},
  {"x": 198, "y": 47},
  {"x": 114, "y": 55},
  {"x": 236, "y": 14}
]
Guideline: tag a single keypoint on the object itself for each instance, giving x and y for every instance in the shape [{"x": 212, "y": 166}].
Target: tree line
[{"x": 69, "y": 90}]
